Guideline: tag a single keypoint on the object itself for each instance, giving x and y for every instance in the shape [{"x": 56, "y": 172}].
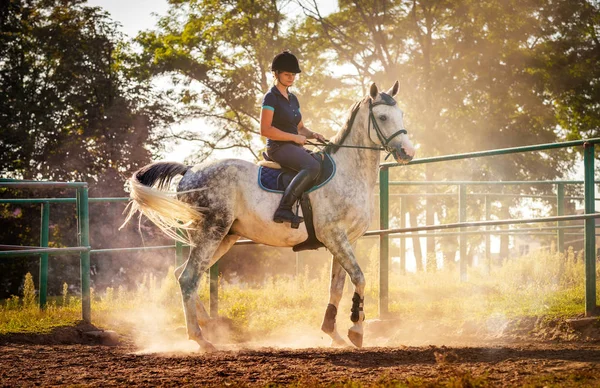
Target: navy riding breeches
[{"x": 295, "y": 157}]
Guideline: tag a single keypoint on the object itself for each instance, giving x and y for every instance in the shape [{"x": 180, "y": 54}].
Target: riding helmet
[{"x": 286, "y": 61}]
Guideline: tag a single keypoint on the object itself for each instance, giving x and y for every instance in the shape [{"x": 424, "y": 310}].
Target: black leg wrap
[
  {"x": 328, "y": 325},
  {"x": 357, "y": 307}
]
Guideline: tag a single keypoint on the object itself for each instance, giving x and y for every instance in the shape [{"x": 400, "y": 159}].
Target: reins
[
  {"x": 329, "y": 143},
  {"x": 385, "y": 100}
]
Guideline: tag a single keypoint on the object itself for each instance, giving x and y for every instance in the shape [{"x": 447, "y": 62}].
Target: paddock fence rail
[{"x": 84, "y": 250}]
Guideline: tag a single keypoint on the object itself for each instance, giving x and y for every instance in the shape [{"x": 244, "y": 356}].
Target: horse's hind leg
[
  {"x": 199, "y": 260},
  {"x": 203, "y": 317},
  {"x": 338, "y": 278},
  {"x": 342, "y": 252},
  {"x": 226, "y": 244}
]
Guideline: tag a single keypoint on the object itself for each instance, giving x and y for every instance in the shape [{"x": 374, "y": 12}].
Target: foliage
[
  {"x": 69, "y": 113},
  {"x": 71, "y": 109},
  {"x": 65, "y": 294},
  {"x": 475, "y": 75},
  {"x": 29, "y": 298},
  {"x": 217, "y": 53}
]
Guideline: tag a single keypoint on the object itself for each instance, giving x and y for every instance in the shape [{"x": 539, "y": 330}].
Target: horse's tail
[{"x": 149, "y": 196}]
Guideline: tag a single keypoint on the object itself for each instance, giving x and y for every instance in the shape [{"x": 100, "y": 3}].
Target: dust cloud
[{"x": 426, "y": 308}]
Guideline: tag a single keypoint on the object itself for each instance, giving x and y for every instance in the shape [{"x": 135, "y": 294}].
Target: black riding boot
[{"x": 301, "y": 182}]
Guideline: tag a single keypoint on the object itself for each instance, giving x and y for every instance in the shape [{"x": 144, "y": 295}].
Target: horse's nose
[{"x": 407, "y": 153}]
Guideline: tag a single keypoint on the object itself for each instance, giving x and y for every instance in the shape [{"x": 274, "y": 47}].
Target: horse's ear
[
  {"x": 374, "y": 92},
  {"x": 394, "y": 89}
]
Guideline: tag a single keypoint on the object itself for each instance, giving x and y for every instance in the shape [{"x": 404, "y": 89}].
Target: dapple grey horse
[{"x": 219, "y": 202}]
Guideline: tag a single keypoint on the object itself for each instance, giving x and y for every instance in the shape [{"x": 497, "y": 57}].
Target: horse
[{"x": 218, "y": 202}]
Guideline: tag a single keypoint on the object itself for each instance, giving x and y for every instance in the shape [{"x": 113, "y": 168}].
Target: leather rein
[{"x": 385, "y": 100}]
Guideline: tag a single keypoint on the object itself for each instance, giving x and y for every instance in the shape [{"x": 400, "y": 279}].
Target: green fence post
[
  {"x": 44, "y": 233},
  {"x": 384, "y": 195},
  {"x": 488, "y": 244},
  {"x": 462, "y": 240},
  {"x": 590, "y": 231},
  {"x": 560, "y": 211},
  {"x": 83, "y": 226},
  {"x": 214, "y": 290},
  {"x": 402, "y": 238}
]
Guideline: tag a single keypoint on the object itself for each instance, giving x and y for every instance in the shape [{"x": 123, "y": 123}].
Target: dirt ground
[{"x": 67, "y": 357}]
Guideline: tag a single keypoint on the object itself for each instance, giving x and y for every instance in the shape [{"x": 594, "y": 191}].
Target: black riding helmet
[{"x": 286, "y": 61}]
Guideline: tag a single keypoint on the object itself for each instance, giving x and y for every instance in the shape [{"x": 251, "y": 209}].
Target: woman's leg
[{"x": 296, "y": 158}]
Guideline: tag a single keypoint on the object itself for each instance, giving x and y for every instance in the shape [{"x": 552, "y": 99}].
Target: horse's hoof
[
  {"x": 207, "y": 347},
  {"x": 336, "y": 340},
  {"x": 339, "y": 343},
  {"x": 355, "y": 337}
]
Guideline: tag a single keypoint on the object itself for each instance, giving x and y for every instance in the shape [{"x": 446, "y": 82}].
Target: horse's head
[{"x": 386, "y": 124}]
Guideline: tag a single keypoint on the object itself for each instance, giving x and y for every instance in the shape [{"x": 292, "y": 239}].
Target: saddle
[{"x": 274, "y": 178}]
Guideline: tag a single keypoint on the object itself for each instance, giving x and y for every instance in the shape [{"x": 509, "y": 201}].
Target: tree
[
  {"x": 68, "y": 111},
  {"x": 71, "y": 108},
  {"x": 218, "y": 55},
  {"x": 475, "y": 75}
]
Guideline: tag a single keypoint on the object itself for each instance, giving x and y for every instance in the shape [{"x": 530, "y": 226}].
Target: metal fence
[
  {"x": 588, "y": 217},
  {"x": 84, "y": 250},
  {"x": 461, "y": 196}
]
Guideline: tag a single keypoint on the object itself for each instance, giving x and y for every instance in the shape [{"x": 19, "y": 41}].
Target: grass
[{"x": 542, "y": 284}]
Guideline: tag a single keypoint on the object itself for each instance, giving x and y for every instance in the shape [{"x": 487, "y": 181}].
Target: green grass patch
[{"x": 541, "y": 284}]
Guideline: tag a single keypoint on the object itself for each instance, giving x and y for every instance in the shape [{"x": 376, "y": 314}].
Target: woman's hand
[
  {"x": 319, "y": 137},
  {"x": 299, "y": 139}
]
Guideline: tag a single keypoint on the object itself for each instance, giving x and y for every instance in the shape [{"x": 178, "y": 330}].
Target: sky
[{"x": 139, "y": 15}]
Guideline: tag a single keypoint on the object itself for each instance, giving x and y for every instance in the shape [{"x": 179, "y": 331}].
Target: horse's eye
[{"x": 383, "y": 117}]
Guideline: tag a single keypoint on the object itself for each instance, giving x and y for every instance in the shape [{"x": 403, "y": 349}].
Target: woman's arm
[
  {"x": 268, "y": 130},
  {"x": 308, "y": 133}
]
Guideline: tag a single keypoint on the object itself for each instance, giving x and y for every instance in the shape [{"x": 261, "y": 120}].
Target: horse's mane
[{"x": 344, "y": 132}]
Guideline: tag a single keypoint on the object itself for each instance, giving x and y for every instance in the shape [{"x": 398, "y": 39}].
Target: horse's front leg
[
  {"x": 338, "y": 278},
  {"x": 343, "y": 253}
]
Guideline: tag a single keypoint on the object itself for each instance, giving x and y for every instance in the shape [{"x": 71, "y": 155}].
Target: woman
[{"x": 281, "y": 123}]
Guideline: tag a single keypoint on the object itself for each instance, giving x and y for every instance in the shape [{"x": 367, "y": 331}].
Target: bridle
[{"x": 386, "y": 99}]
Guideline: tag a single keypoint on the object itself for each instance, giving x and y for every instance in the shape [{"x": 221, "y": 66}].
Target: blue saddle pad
[{"x": 276, "y": 180}]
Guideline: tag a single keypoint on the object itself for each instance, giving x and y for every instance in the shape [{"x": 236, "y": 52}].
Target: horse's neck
[{"x": 361, "y": 164}]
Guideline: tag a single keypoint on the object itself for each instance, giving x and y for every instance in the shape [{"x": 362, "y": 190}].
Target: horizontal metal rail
[
  {"x": 16, "y": 247},
  {"x": 133, "y": 249},
  {"x": 480, "y": 223},
  {"x": 484, "y": 183},
  {"x": 548, "y": 196},
  {"x": 16, "y": 180},
  {"x": 125, "y": 199},
  {"x": 60, "y": 200},
  {"x": 50, "y": 251},
  {"x": 502, "y": 151},
  {"x": 512, "y": 232},
  {"x": 38, "y": 185},
  {"x": 479, "y": 232}
]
